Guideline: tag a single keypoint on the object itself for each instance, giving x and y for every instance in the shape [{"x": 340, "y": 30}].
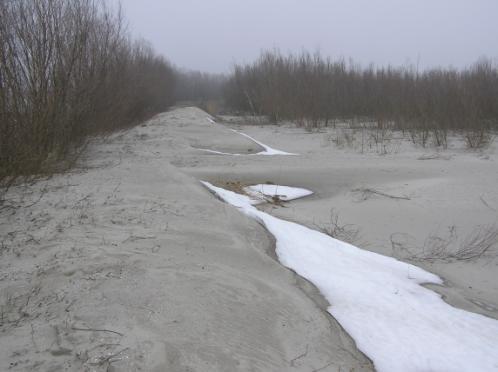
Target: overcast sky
[{"x": 210, "y": 35}]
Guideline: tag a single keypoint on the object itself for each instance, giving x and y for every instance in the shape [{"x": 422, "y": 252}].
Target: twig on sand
[
  {"x": 11, "y": 205},
  {"x": 300, "y": 356},
  {"x": 322, "y": 368},
  {"x": 96, "y": 330},
  {"x": 367, "y": 191},
  {"x": 347, "y": 233},
  {"x": 108, "y": 358},
  {"x": 486, "y": 203},
  {"x": 36, "y": 201}
]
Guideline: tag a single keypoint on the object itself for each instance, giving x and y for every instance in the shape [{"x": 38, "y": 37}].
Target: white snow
[
  {"x": 222, "y": 153},
  {"x": 267, "y": 149},
  {"x": 285, "y": 193},
  {"x": 211, "y": 120},
  {"x": 379, "y": 301}
]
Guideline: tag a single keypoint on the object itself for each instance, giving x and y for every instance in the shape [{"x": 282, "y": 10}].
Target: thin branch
[
  {"x": 486, "y": 203},
  {"x": 367, "y": 191},
  {"x": 96, "y": 330}
]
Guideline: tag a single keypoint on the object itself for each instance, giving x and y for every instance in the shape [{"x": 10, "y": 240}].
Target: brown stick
[{"x": 96, "y": 330}]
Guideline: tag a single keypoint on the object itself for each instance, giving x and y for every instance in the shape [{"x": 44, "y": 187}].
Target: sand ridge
[{"x": 127, "y": 263}]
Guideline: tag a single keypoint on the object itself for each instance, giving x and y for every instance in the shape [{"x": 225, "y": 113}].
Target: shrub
[{"x": 68, "y": 69}]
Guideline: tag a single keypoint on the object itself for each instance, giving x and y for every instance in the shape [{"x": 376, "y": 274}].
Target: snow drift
[{"x": 380, "y": 302}]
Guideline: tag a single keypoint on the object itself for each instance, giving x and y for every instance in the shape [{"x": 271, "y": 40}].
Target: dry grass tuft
[
  {"x": 348, "y": 233},
  {"x": 445, "y": 248}
]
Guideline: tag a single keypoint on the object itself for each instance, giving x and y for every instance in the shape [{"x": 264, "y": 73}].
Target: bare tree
[
  {"x": 313, "y": 91},
  {"x": 68, "y": 68}
]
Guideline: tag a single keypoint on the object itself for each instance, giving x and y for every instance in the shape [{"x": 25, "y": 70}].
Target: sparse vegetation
[
  {"x": 479, "y": 138},
  {"x": 438, "y": 247},
  {"x": 364, "y": 138},
  {"x": 316, "y": 91},
  {"x": 334, "y": 228}
]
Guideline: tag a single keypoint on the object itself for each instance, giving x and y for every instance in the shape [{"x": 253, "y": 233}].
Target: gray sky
[{"x": 210, "y": 35}]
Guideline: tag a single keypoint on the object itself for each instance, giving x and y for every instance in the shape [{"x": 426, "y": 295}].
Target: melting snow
[
  {"x": 379, "y": 301},
  {"x": 285, "y": 193},
  {"x": 267, "y": 149}
]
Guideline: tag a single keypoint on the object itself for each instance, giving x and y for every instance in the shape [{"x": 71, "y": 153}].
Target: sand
[
  {"x": 130, "y": 242},
  {"x": 128, "y": 263},
  {"x": 434, "y": 189}
]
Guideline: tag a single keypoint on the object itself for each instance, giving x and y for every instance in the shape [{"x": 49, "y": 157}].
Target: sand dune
[{"x": 127, "y": 262}]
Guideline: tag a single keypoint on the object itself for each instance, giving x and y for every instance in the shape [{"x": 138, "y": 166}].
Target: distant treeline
[
  {"x": 201, "y": 89},
  {"x": 314, "y": 90},
  {"x": 69, "y": 69}
]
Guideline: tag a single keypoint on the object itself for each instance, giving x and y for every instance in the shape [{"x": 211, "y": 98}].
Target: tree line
[
  {"x": 69, "y": 69},
  {"x": 314, "y": 91}
]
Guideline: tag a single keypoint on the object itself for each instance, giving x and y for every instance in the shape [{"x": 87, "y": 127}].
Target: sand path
[{"x": 127, "y": 263}]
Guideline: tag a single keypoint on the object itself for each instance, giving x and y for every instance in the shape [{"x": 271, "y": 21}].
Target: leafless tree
[
  {"x": 68, "y": 69},
  {"x": 314, "y": 91}
]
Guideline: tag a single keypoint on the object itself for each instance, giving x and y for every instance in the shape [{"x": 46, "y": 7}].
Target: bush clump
[{"x": 69, "y": 69}]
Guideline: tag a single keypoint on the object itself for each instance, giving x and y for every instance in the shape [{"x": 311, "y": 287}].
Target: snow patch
[
  {"x": 285, "y": 193},
  {"x": 267, "y": 149},
  {"x": 396, "y": 322}
]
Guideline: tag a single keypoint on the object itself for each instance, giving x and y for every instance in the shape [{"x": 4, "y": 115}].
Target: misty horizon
[{"x": 213, "y": 36}]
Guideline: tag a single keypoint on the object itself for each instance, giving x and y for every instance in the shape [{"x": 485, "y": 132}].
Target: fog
[{"x": 212, "y": 35}]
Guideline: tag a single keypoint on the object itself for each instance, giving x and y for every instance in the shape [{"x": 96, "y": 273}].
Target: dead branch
[
  {"x": 368, "y": 191},
  {"x": 348, "y": 233},
  {"x": 108, "y": 358},
  {"x": 322, "y": 368},
  {"x": 300, "y": 356},
  {"x": 486, "y": 203},
  {"x": 96, "y": 330}
]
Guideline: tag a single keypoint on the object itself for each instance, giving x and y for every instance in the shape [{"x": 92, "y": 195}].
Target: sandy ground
[
  {"x": 438, "y": 189},
  {"x": 127, "y": 263}
]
